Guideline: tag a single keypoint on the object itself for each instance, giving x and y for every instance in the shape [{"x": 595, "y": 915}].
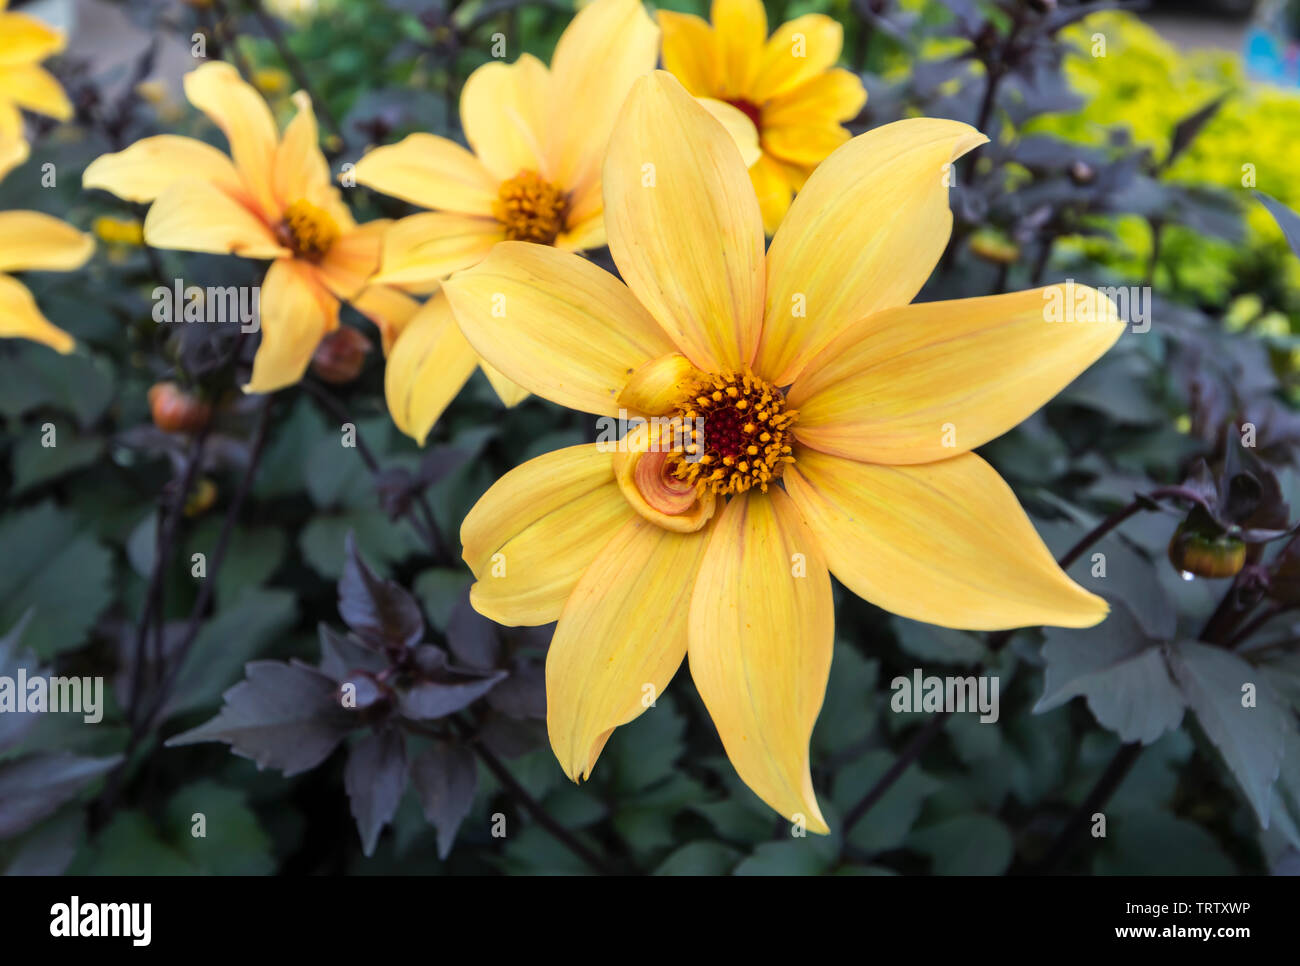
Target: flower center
[
  {"x": 750, "y": 110},
  {"x": 746, "y": 434},
  {"x": 309, "y": 230},
  {"x": 531, "y": 209}
]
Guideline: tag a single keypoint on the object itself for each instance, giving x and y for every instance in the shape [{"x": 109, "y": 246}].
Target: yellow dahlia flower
[
  {"x": 31, "y": 241},
  {"x": 538, "y": 138},
  {"x": 786, "y": 84},
  {"x": 271, "y": 199},
  {"x": 838, "y": 424},
  {"x": 24, "y": 43}
]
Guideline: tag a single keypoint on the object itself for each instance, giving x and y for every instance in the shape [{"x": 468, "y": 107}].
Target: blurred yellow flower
[
  {"x": 786, "y": 84},
  {"x": 274, "y": 200},
  {"x": 118, "y": 231},
  {"x": 31, "y": 241},
  {"x": 24, "y": 43},
  {"x": 538, "y": 139},
  {"x": 838, "y": 429}
]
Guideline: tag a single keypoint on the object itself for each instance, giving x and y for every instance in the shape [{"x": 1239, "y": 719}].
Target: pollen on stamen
[
  {"x": 531, "y": 209},
  {"x": 745, "y": 437},
  {"x": 309, "y": 230}
]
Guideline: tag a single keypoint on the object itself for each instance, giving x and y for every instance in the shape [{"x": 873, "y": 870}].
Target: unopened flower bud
[
  {"x": 1206, "y": 555},
  {"x": 341, "y": 355},
  {"x": 177, "y": 411}
]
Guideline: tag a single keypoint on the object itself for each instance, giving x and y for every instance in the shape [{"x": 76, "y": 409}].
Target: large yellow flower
[
  {"x": 30, "y": 240},
  {"x": 538, "y": 137},
  {"x": 786, "y": 84},
  {"x": 838, "y": 427},
  {"x": 274, "y": 200},
  {"x": 24, "y": 43}
]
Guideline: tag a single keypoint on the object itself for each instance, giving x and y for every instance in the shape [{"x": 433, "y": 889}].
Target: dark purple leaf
[
  {"x": 471, "y": 636},
  {"x": 523, "y": 693},
  {"x": 375, "y": 779},
  {"x": 1286, "y": 219},
  {"x": 445, "y": 689},
  {"x": 445, "y": 777},
  {"x": 283, "y": 716},
  {"x": 379, "y": 611},
  {"x": 341, "y": 655}
]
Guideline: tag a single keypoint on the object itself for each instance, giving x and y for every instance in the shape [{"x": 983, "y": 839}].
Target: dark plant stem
[
  {"x": 1157, "y": 233},
  {"x": 424, "y": 524},
  {"x": 1255, "y": 623},
  {"x": 169, "y": 517},
  {"x": 920, "y": 741},
  {"x": 1079, "y": 820},
  {"x": 534, "y": 807},
  {"x": 296, "y": 68},
  {"x": 223, "y": 31},
  {"x": 142, "y": 720}
]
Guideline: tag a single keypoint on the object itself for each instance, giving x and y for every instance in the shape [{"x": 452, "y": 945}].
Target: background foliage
[{"x": 1122, "y": 169}]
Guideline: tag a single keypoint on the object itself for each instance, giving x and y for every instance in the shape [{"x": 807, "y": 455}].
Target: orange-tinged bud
[
  {"x": 1206, "y": 556},
  {"x": 341, "y": 355},
  {"x": 177, "y": 411}
]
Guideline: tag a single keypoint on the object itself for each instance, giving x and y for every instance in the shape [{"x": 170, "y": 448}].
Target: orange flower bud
[
  {"x": 177, "y": 411},
  {"x": 1196, "y": 553},
  {"x": 341, "y": 355}
]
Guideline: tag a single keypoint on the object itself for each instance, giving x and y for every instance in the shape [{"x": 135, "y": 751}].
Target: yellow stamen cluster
[
  {"x": 746, "y": 434},
  {"x": 531, "y": 209},
  {"x": 309, "y": 230}
]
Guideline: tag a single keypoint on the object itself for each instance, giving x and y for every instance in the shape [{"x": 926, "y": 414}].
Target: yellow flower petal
[
  {"x": 297, "y": 312},
  {"x": 26, "y": 40},
  {"x": 431, "y": 172},
  {"x": 503, "y": 109},
  {"x": 300, "y": 170},
  {"x": 353, "y": 258},
  {"x": 607, "y": 46},
  {"x": 533, "y": 533},
  {"x": 740, "y": 30},
  {"x": 924, "y": 382},
  {"x": 234, "y": 106},
  {"x": 656, "y": 387},
  {"x": 836, "y": 95},
  {"x": 426, "y": 248},
  {"x": 772, "y": 185},
  {"x": 196, "y": 216},
  {"x": 620, "y": 639},
  {"x": 428, "y": 366},
  {"x": 738, "y": 125},
  {"x": 11, "y": 120},
  {"x": 390, "y": 310},
  {"x": 510, "y": 393},
  {"x": 803, "y": 144},
  {"x": 762, "y": 629},
  {"x": 21, "y": 319},
  {"x": 946, "y": 543},
  {"x": 35, "y": 89},
  {"x": 882, "y": 197},
  {"x": 556, "y": 324},
  {"x": 151, "y": 165},
  {"x": 796, "y": 52},
  {"x": 32, "y": 240},
  {"x": 690, "y": 52},
  {"x": 684, "y": 225}
]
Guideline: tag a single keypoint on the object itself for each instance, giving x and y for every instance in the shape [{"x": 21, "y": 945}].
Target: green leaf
[
  {"x": 806, "y": 856},
  {"x": 132, "y": 845},
  {"x": 886, "y": 825},
  {"x": 33, "y": 376},
  {"x": 62, "y": 575},
  {"x": 35, "y": 463},
  {"x": 926, "y": 642},
  {"x": 383, "y": 541},
  {"x": 968, "y": 845},
  {"x": 1157, "y": 843},
  {"x": 237, "y": 633},
  {"x": 233, "y": 843},
  {"x": 700, "y": 858}
]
